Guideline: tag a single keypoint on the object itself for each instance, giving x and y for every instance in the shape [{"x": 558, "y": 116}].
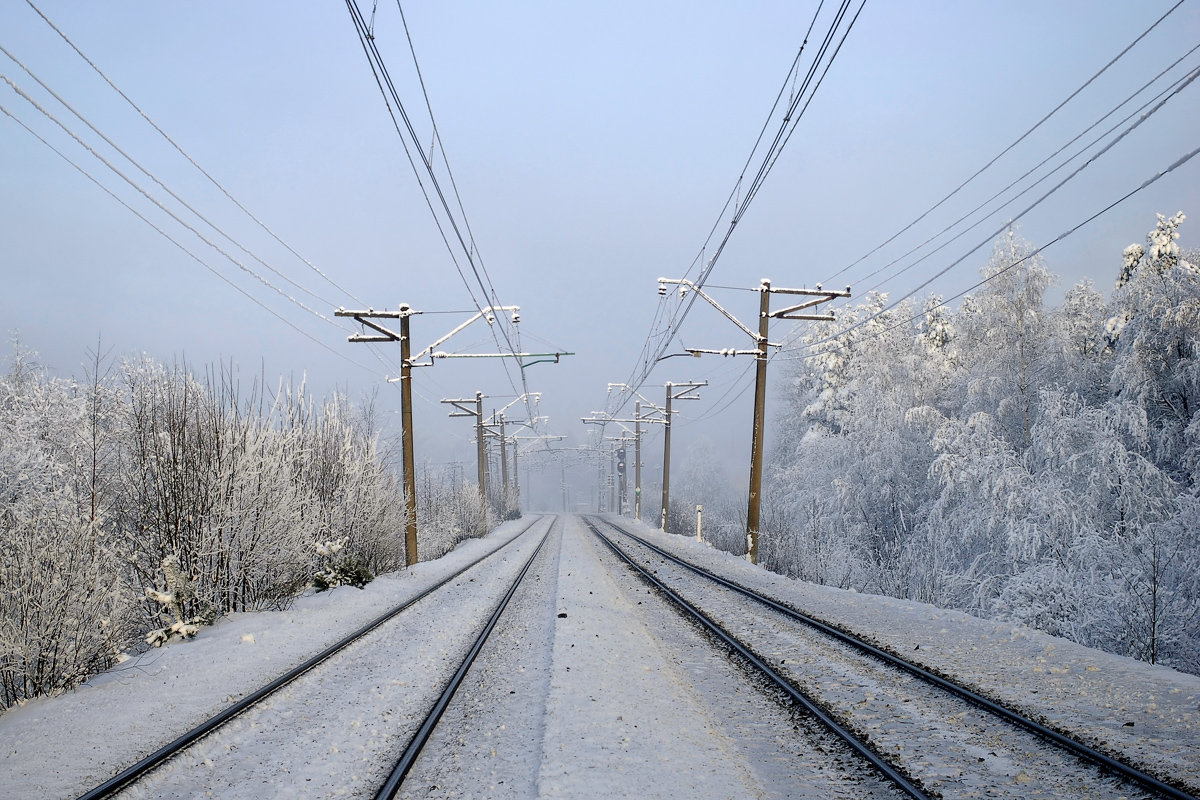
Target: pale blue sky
[{"x": 593, "y": 144}]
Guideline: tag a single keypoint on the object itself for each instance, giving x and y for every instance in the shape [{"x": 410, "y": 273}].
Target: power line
[
  {"x": 181, "y": 151},
  {"x": 156, "y": 202},
  {"x": 1163, "y": 97},
  {"x": 173, "y": 241},
  {"x": 659, "y": 339},
  {"x": 1077, "y": 137},
  {"x": 382, "y": 78},
  {"x": 165, "y": 188},
  {"x": 1019, "y": 139},
  {"x": 1148, "y": 182},
  {"x": 943, "y": 302},
  {"x": 473, "y": 259}
]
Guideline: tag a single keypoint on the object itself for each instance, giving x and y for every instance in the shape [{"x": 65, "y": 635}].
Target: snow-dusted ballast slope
[
  {"x": 64, "y": 746},
  {"x": 1147, "y": 716},
  {"x": 592, "y": 687}
]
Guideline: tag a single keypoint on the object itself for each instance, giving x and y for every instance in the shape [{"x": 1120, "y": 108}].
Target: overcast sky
[{"x": 593, "y": 146}]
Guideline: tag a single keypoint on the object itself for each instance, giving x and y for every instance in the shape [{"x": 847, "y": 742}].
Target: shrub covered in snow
[
  {"x": 339, "y": 568},
  {"x": 145, "y": 501}
]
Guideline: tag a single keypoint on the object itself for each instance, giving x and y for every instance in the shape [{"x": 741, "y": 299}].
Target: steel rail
[
  {"x": 856, "y": 744},
  {"x": 409, "y": 757},
  {"x": 132, "y": 773},
  {"x": 1107, "y": 762}
]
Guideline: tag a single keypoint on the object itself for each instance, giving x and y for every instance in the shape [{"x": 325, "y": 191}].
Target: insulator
[{"x": 662, "y": 290}]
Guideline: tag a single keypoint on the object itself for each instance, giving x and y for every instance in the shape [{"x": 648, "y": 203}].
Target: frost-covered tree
[
  {"x": 64, "y": 612},
  {"x": 145, "y": 501},
  {"x": 1014, "y": 460},
  {"x": 1153, "y": 333},
  {"x": 1004, "y": 329}
]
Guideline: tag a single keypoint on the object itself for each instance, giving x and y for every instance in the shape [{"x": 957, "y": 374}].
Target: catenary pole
[
  {"x": 666, "y": 472},
  {"x": 480, "y": 452},
  {"x": 799, "y": 311},
  {"x": 754, "y": 507},
  {"x": 675, "y": 391},
  {"x": 516, "y": 477},
  {"x": 406, "y": 444},
  {"x": 612, "y": 478},
  {"x": 503, "y": 466},
  {"x": 637, "y": 461}
]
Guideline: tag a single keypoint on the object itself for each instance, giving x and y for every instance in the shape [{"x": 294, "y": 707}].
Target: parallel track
[
  {"x": 409, "y": 757},
  {"x": 1072, "y": 746},
  {"x": 855, "y": 743},
  {"x": 155, "y": 759}
]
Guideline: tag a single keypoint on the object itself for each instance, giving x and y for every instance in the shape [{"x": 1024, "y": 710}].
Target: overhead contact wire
[
  {"x": 189, "y": 253},
  {"x": 1019, "y": 139}
]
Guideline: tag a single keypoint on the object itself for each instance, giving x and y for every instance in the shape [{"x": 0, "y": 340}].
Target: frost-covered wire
[
  {"x": 190, "y": 160},
  {"x": 1007, "y": 149},
  {"x": 189, "y": 253},
  {"x": 21, "y": 93},
  {"x": 474, "y": 262},
  {"x": 1163, "y": 96},
  {"x": 891, "y": 306},
  {"x": 1043, "y": 162},
  {"x": 667, "y": 323},
  {"x": 165, "y": 188}
]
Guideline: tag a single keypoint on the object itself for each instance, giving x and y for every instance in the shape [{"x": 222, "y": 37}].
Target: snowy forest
[
  {"x": 1015, "y": 461},
  {"x": 143, "y": 501},
  {"x": 1002, "y": 457}
]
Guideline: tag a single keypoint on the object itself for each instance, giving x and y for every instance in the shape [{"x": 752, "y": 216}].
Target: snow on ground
[
  {"x": 1146, "y": 715},
  {"x": 620, "y": 714},
  {"x": 63, "y": 746},
  {"x": 489, "y": 742},
  {"x": 339, "y": 729},
  {"x": 614, "y": 697}
]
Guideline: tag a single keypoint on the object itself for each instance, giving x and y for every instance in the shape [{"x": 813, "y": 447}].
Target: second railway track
[
  {"x": 286, "y": 735},
  {"x": 952, "y": 741}
]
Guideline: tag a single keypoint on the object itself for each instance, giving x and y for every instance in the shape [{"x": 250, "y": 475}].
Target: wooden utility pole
[
  {"x": 753, "y": 508},
  {"x": 516, "y": 478},
  {"x": 481, "y": 452},
  {"x": 466, "y": 407},
  {"x": 612, "y": 478},
  {"x": 406, "y": 444},
  {"x": 637, "y": 461},
  {"x": 599, "y": 483},
  {"x": 760, "y": 352},
  {"x": 675, "y": 391},
  {"x": 367, "y": 318},
  {"x": 666, "y": 470},
  {"x": 503, "y": 468},
  {"x": 600, "y": 418},
  {"x": 406, "y": 423},
  {"x": 622, "y": 479}
]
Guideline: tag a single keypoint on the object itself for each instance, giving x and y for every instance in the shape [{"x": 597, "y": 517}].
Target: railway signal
[{"x": 794, "y": 312}]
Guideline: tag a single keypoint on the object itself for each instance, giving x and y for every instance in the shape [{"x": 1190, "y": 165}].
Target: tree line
[
  {"x": 145, "y": 500},
  {"x": 1005, "y": 458}
]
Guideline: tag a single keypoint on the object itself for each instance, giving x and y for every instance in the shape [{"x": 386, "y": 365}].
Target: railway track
[
  {"x": 887, "y": 732},
  {"x": 148, "y": 765}
]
